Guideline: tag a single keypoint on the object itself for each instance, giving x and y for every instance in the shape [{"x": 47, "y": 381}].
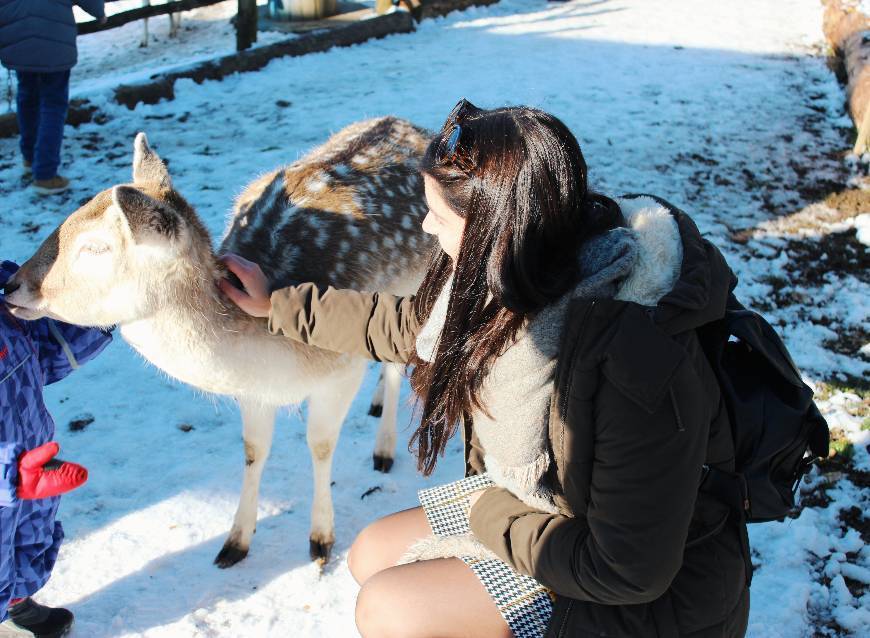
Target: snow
[
  {"x": 862, "y": 226},
  {"x": 705, "y": 105}
]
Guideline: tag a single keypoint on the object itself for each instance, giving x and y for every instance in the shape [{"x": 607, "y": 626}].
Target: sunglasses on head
[{"x": 451, "y": 150}]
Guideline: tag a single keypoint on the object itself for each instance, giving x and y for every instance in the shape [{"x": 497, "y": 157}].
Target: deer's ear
[
  {"x": 147, "y": 165},
  {"x": 146, "y": 217}
]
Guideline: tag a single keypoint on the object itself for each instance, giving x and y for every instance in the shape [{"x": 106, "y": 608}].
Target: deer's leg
[
  {"x": 144, "y": 42},
  {"x": 259, "y": 423},
  {"x": 376, "y": 409},
  {"x": 385, "y": 444},
  {"x": 327, "y": 408},
  {"x": 174, "y": 23}
]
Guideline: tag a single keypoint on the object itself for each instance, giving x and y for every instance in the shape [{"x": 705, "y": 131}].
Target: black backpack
[{"x": 778, "y": 431}]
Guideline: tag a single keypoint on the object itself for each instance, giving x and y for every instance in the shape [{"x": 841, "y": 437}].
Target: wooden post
[{"x": 246, "y": 24}]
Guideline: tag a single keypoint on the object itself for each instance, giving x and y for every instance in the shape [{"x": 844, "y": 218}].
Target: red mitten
[{"x": 40, "y": 475}]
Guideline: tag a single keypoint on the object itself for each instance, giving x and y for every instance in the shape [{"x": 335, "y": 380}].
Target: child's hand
[{"x": 40, "y": 475}]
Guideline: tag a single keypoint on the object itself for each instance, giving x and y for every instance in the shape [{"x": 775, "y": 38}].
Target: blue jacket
[
  {"x": 40, "y": 35},
  {"x": 32, "y": 355}
]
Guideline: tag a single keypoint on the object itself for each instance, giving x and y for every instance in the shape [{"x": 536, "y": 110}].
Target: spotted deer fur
[{"x": 348, "y": 215}]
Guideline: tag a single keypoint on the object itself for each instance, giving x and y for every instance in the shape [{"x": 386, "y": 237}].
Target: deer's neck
[{"x": 200, "y": 338}]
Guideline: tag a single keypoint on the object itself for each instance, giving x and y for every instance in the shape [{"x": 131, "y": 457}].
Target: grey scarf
[{"x": 639, "y": 263}]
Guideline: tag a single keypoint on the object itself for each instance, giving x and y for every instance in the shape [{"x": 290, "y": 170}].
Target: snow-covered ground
[
  {"x": 726, "y": 109},
  {"x": 205, "y": 33}
]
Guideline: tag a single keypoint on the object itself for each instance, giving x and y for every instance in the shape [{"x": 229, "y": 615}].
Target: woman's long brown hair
[{"x": 518, "y": 178}]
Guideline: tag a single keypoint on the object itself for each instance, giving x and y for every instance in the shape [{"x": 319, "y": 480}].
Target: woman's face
[{"x": 441, "y": 221}]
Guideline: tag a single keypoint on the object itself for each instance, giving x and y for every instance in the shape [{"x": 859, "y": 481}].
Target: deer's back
[{"x": 348, "y": 214}]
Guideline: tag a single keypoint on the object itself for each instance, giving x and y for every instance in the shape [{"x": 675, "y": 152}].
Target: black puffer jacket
[
  {"x": 634, "y": 551},
  {"x": 637, "y": 412}
]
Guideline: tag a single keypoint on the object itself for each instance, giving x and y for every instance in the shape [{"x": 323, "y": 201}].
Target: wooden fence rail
[{"x": 122, "y": 18}]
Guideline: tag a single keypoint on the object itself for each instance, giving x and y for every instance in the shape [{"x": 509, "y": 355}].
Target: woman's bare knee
[
  {"x": 381, "y": 544},
  {"x": 431, "y": 598},
  {"x": 373, "y": 615},
  {"x": 362, "y": 559}
]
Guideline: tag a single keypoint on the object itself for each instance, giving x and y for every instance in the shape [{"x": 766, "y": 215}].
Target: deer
[
  {"x": 174, "y": 25},
  {"x": 348, "y": 214}
]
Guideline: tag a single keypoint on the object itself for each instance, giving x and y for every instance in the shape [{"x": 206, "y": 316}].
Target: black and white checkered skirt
[{"x": 524, "y": 603}]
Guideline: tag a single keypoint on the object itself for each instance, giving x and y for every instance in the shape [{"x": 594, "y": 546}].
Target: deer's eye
[{"x": 94, "y": 248}]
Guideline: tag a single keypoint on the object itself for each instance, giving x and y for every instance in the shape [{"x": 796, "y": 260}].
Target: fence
[{"x": 246, "y": 22}]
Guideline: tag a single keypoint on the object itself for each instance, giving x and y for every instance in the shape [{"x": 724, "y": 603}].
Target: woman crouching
[{"x": 556, "y": 330}]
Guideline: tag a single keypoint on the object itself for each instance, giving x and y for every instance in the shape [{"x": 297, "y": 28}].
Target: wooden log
[
  {"x": 246, "y": 24},
  {"x": 847, "y": 30},
  {"x": 161, "y": 86},
  {"x": 436, "y": 8},
  {"x": 120, "y": 19},
  {"x": 80, "y": 111}
]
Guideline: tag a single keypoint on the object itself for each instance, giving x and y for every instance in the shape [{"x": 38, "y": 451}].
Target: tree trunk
[{"x": 848, "y": 32}]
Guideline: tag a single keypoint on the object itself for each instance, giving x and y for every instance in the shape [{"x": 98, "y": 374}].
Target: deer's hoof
[
  {"x": 382, "y": 463},
  {"x": 320, "y": 551},
  {"x": 229, "y": 555},
  {"x": 376, "y": 410}
]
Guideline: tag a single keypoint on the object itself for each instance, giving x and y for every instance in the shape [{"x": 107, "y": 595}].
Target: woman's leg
[
  {"x": 382, "y": 543},
  {"x": 439, "y": 598}
]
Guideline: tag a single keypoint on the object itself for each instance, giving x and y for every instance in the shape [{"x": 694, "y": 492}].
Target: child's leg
[
  {"x": 53, "y": 103},
  {"x": 27, "y": 110},
  {"x": 8, "y": 525},
  {"x": 37, "y": 541}
]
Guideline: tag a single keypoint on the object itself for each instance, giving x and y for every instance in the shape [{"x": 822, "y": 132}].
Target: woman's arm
[
  {"x": 629, "y": 545},
  {"x": 372, "y": 324},
  {"x": 376, "y": 325}
]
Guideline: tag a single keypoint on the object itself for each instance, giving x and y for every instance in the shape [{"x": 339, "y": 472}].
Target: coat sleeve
[
  {"x": 63, "y": 347},
  {"x": 9, "y": 452},
  {"x": 376, "y": 325},
  {"x": 629, "y": 545},
  {"x": 473, "y": 451},
  {"x": 96, "y": 8}
]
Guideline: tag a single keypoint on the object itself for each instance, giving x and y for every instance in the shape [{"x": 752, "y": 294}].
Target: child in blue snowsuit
[{"x": 32, "y": 354}]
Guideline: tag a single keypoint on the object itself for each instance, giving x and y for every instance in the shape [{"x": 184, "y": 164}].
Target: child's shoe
[
  {"x": 56, "y": 184},
  {"x": 29, "y": 618},
  {"x": 26, "y": 167}
]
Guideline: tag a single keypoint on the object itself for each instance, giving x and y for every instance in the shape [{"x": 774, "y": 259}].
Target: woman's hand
[
  {"x": 255, "y": 298},
  {"x": 473, "y": 498}
]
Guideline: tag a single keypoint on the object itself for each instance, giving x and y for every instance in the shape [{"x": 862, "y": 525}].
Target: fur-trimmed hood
[
  {"x": 705, "y": 281},
  {"x": 640, "y": 263}
]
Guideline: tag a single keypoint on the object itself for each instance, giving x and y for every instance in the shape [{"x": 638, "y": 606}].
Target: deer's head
[{"x": 110, "y": 261}]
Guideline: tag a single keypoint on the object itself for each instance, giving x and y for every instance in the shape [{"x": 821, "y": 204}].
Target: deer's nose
[{"x": 11, "y": 287}]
